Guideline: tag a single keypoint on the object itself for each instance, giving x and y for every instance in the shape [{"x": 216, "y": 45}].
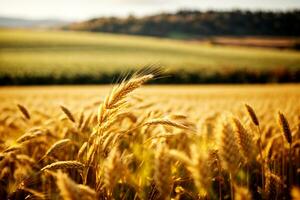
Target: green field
[{"x": 57, "y": 53}]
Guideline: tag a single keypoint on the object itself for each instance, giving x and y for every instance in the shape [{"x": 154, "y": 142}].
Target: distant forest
[{"x": 197, "y": 24}]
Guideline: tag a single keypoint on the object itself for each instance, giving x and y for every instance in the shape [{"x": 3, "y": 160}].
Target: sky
[{"x": 77, "y": 10}]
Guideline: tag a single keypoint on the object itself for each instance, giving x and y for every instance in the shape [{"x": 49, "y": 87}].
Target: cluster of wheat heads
[{"x": 126, "y": 149}]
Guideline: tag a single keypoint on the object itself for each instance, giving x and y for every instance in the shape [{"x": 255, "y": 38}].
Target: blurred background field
[{"x": 66, "y": 57}]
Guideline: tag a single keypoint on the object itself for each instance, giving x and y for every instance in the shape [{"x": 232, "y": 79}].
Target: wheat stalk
[
  {"x": 24, "y": 111},
  {"x": 116, "y": 99},
  {"x": 30, "y": 136},
  {"x": 13, "y": 148},
  {"x": 56, "y": 146},
  {"x": 252, "y": 114},
  {"x": 82, "y": 150},
  {"x": 167, "y": 122},
  {"x": 68, "y": 113},
  {"x": 284, "y": 125},
  {"x": 200, "y": 170},
  {"x": 228, "y": 147},
  {"x": 86, "y": 122},
  {"x": 70, "y": 164},
  {"x": 244, "y": 139},
  {"x": 113, "y": 164},
  {"x": 255, "y": 121},
  {"x": 81, "y": 119},
  {"x": 119, "y": 93}
]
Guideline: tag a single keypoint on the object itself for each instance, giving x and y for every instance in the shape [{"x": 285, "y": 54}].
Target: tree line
[
  {"x": 197, "y": 24},
  {"x": 225, "y": 76}
]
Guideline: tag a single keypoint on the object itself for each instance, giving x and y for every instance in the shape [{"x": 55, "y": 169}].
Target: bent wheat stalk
[
  {"x": 167, "y": 122},
  {"x": 70, "y": 164},
  {"x": 30, "y": 136},
  {"x": 56, "y": 146}
]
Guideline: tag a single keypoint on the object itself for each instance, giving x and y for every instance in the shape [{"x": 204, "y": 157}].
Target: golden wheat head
[
  {"x": 24, "y": 111},
  {"x": 252, "y": 114},
  {"x": 284, "y": 125},
  {"x": 69, "y": 164}
]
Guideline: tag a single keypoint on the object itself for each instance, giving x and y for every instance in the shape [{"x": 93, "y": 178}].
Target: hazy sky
[{"x": 84, "y": 9}]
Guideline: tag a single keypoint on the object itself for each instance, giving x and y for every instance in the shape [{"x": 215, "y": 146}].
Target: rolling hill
[{"x": 35, "y": 56}]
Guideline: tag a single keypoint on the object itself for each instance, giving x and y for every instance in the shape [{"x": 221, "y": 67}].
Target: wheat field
[
  {"x": 69, "y": 54},
  {"x": 129, "y": 141}
]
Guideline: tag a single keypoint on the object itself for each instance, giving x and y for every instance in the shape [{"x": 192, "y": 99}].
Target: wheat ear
[
  {"x": 285, "y": 127},
  {"x": 228, "y": 147},
  {"x": 252, "y": 114},
  {"x": 56, "y": 146},
  {"x": 68, "y": 113},
  {"x": 244, "y": 139},
  {"x": 70, "y": 164},
  {"x": 24, "y": 111}
]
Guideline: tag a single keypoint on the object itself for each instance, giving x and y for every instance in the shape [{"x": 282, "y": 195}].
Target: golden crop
[{"x": 159, "y": 142}]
